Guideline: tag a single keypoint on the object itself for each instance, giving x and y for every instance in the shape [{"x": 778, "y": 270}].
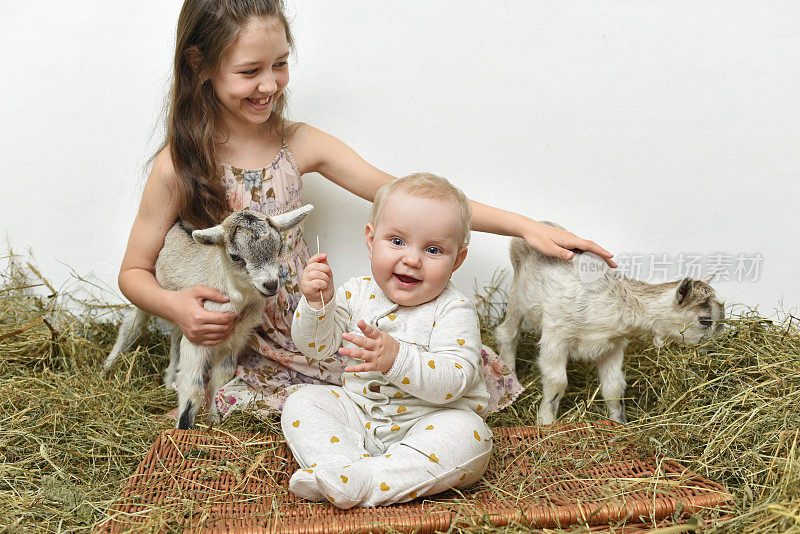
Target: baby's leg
[
  {"x": 443, "y": 450},
  {"x": 323, "y": 427}
]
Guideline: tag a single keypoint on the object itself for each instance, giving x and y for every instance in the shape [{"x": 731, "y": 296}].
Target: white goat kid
[
  {"x": 594, "y": 320},
  {"x": 238, "y": 257}
]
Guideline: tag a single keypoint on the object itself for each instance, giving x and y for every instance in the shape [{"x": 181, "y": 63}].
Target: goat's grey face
[
  {"x": 253, "y": 244},
  {"x": 699, "y": 310}
]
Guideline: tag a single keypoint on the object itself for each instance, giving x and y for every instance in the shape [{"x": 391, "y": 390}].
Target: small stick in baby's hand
[{"x": 320, "y": 291}]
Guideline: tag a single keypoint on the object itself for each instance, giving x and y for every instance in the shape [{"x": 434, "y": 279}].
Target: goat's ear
[
  {"x": 209, "y": 236},
  {"x": 684, "y": 291},
  {"x": 284, "y": 221}
]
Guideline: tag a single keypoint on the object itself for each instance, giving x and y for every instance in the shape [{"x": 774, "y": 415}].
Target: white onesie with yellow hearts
[{"x": 385, "y": 438}]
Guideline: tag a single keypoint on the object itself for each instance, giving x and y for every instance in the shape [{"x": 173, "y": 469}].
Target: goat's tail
[
  {"x": 133, "y": 322},
  {"x": 519, "y": 248}
]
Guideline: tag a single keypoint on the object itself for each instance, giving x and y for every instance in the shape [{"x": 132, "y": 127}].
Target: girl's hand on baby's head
[
  {"x": 200, "y": 326},
  {"x": 557, "y": 242},
  {"x": 378, "y": 349},
  {"x": 317, "y": 281}
]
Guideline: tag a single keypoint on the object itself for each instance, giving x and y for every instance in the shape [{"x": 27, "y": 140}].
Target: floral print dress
[{"x": 272, "y": 367}]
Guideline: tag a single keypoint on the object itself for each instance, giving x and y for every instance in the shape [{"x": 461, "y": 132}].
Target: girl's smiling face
[
  {"x": 253, "y": 73},
  {"x": 414, "y": 248}
]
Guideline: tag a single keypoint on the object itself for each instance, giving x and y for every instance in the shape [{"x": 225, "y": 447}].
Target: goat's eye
[
  {"x": 236, "y": 259},
  {"x": 705, "y": 321}
]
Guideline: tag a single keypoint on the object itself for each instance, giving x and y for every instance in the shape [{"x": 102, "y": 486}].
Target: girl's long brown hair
[{"x": 206, "y": 28}]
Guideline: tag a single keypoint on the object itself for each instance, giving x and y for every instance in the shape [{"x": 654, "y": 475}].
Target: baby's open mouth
[{"x": 406, "y": 279}]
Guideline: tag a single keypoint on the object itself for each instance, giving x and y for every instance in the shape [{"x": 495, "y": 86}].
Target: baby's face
[{"x": 414, "y": 247}]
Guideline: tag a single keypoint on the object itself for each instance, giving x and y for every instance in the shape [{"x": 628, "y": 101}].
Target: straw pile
[{"x": 69, "y": 437}]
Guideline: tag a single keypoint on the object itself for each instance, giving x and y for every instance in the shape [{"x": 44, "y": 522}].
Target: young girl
[{"x": 229, "y": 147}]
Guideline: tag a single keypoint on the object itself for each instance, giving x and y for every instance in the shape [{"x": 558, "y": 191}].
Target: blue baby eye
[
  {"x": 434, "y": 250},
  {"x": 397, "y": 241}
]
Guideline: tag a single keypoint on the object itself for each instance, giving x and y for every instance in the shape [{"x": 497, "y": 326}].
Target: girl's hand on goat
[
  {"x": 317, "y": 281},
  {"x": 378, "y": 349},
  {"x": 557, "y": 242},
  {"x": 200, "y": 326}
]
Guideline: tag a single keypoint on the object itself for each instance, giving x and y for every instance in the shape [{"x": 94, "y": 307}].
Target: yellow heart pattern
[
  {"x": 392, "y": 317},
  {"x": 311, "y": 345},
  {"x": 384, "y": 486},
  {"x": 448, "y": 396},
  {"x": 395, "y": 428},
  {"x": 344, "y": 479},
  {"x": 405, "y": 380},
  {"x": 401, "y": 409},
  {"x": 334, "y": 439},
  {"x": 480, "y": 407},
  {"x": 398, "y": 395},
  {"x": 336, "y": 394},
  {"x": 432, "y": 364},
  {"x": 308, "y": 470},
  {"x": 371, "y": 297},
  {"x": 347, "y": 294},
  {"x": 321, "y": 348},
  {"x": 477, "y": 436},
  {"x": 296, "y": 423},
  {"x": 458, "y": 366},
  {"x": 429, "y": 427},
  {"x": 432, "y": 457},
  {"x": 367, "y": 278},
  {"x": 412, "y": 495},
  {"x": 321, "y": 317},
  {"x": 460, "y": 342},
  {"x": 368, "y": 425}
]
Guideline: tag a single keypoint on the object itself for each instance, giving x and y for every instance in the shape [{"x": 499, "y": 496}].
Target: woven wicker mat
[{"x": 540, "y": 477}]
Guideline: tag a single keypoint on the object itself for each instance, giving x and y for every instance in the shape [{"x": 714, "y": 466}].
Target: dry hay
[{"x": 69, "y": 438}]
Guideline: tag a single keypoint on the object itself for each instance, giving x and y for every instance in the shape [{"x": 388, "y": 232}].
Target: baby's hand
[
  {"x": 378, "y": 349},
  {"x": 558, "y": 243},
  {"x": 317, "y": 281}
]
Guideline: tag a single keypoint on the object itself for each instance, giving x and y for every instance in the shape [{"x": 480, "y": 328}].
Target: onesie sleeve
[
  {"x": 318, "y": 333},
  {"x": 450, "y": 367}
]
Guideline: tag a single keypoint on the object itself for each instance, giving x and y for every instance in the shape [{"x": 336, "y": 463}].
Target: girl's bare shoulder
[
  {"x": 162, "y": 173},
  {"x": 159, "y": 198},
  {"x": 308, "y": 145}
]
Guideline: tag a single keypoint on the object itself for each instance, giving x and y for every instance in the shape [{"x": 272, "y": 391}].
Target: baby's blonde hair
[{"x": 425, "y": 185}]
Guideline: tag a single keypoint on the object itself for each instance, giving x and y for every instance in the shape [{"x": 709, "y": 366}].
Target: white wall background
[{"x": 652, "y": 127}]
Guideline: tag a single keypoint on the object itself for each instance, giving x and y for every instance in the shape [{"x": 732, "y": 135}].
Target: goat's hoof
[
  {"x": 186, "y": 419},
  {"x": 544, "y": 421}
]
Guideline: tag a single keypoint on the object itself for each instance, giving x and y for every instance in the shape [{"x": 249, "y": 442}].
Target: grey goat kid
[
  {"x": 594, "y": 321},
  {"x": 238, "y": 257}
]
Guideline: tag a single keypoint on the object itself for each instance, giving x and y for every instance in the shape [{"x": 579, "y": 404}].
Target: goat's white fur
[
  {"x": 239, "y": 257},
  {"x": 594, "y": 321}
]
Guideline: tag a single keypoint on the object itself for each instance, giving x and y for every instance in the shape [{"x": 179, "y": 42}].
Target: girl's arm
[
  {"x": 317, "y": 151},
  {"x": 548, "y": 240},
  {"x": 157, "y": 212}
]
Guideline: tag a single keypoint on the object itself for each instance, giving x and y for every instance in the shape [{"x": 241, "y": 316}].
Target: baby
[{"x": 408, "y": 418}]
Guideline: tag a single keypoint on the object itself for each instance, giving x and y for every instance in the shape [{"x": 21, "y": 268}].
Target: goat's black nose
[{"x": 270, "y": 288}]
